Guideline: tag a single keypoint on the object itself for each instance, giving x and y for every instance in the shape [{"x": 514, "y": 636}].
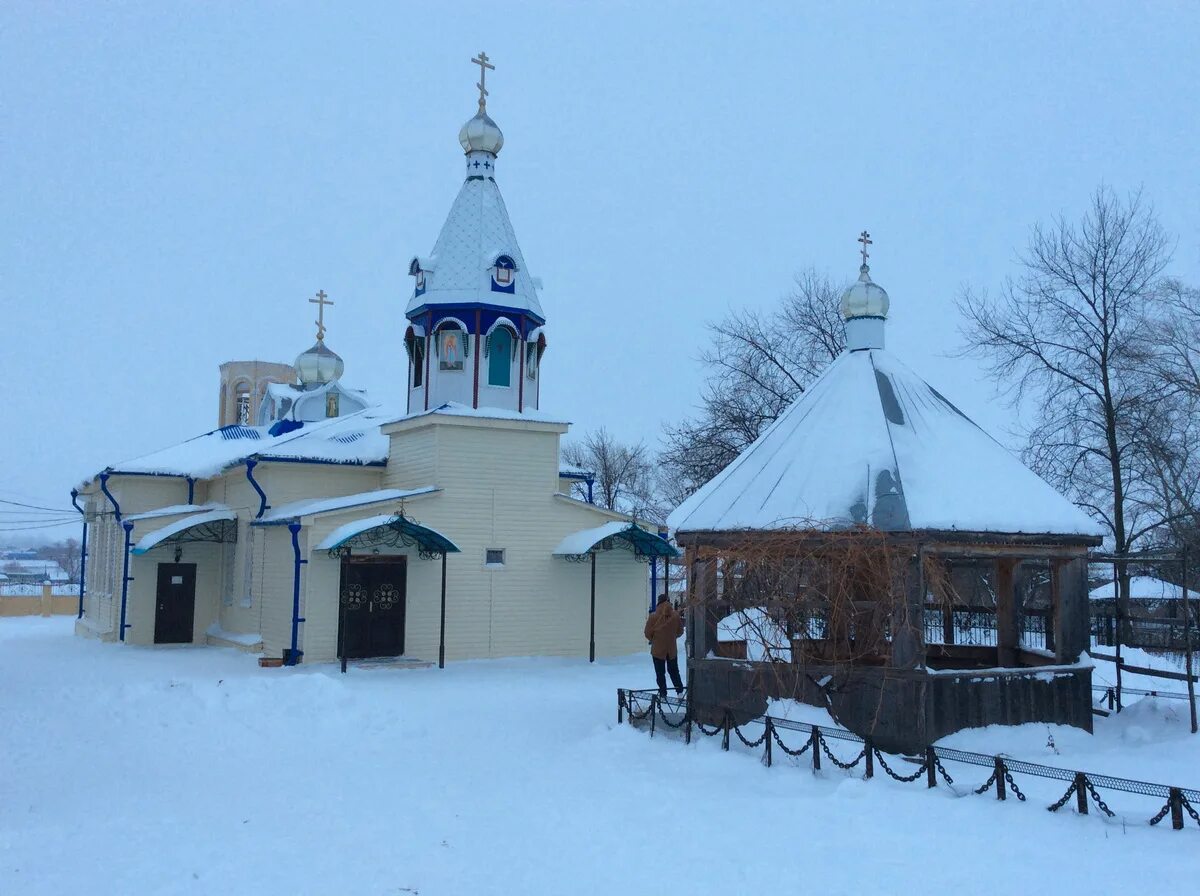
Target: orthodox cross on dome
[
  {"x": 320, "y": 301},
  {"x": 482, "y": 61},
  {"x": 865, "y": 239}
]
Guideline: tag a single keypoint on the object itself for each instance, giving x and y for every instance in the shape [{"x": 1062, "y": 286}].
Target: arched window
[
  {"x": 500, "y": 355},
  {"x": 243, "y": 403}
]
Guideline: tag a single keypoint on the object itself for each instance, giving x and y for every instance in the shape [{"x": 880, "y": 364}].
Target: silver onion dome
[
  {"x": 865, "y": 298},
  {"x": 318, "y": 365},
  {"x": 481, "y": 134}
]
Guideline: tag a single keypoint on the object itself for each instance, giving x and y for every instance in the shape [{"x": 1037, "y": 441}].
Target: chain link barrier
[
  {"x": 1083, "y": 786},
  {"x": 843, "y": 765},
  {"x": 906, "y": 779}
]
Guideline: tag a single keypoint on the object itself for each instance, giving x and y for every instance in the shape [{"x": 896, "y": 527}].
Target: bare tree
[
  {"x": 66, "y": 554},
  {"x": 624, "y": 475},
  {"x": 759, "y": 364},
  {"x": 1063, "y": 335}
]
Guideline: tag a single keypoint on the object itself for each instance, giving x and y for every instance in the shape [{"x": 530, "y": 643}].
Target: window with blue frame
[
  {"x": 500, "y": 351},
  {"x": 503, "y": 275}
]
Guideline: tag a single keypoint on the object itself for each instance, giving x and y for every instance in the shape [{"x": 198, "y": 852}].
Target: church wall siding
[
  {"x": 275, "y": 570},
  {"x": 287, "y": 483},
  {"x": 412, "y": 459}
]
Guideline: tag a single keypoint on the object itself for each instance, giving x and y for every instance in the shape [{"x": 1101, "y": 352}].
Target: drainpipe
[
  {"x": 251, "y": 463},
  {"x": 108, "y": 494},
  {"x": 295, "y": 654},
  {"x": 191, "y": 481},
  {"x": 125, "y": 578},
  {"x": 590, "y": 482},
  {"x": 82, "y": 549}
]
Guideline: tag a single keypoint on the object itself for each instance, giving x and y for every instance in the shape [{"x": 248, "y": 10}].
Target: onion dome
[
  {"x": 481, "y": 134},
  {"x": 865, "y": 298},
  {"x": 318, "y": 365}
]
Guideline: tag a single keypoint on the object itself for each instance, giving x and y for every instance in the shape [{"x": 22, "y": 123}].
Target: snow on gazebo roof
[{"x": 871, "y": 443}]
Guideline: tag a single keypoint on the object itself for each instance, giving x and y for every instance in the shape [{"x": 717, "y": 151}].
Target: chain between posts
[
  {"x": 1091, "y": 788},
  {"x": 843, "y": 765},
  {"x": 906, "y": 779},
  {"x": 1062, "y": 801},
  {"x": 786, "y": 748}
]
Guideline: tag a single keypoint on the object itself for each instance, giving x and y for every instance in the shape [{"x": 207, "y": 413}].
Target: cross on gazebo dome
[
  {"x": 865, "y": 239},
  {"x": 320, "y": 301},
  {"x": 482, "y": 61}
]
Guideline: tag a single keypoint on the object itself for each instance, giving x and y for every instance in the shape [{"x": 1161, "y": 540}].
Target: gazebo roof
[{"x": 871, "y": 443}]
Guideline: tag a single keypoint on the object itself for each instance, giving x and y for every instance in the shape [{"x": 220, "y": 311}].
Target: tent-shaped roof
[
  {"x": 872, "y": 443},
  {"x": 477, "y": 231}
]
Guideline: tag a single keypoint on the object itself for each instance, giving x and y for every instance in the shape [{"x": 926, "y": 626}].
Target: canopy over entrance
[
  {"x": 393, "y": 530},
  {"x": 216, "y": 526},
  {"x": 644, "y": 545}
]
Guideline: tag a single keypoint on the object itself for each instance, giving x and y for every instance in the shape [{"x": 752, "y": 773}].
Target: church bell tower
[{"x": 475, "y": 332}]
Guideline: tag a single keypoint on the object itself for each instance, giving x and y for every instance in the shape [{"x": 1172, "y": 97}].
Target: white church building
[{"x": 330, "y": 526}]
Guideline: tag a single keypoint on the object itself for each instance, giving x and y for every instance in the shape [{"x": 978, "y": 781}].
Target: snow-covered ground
[{"x": 127, "y": 770}]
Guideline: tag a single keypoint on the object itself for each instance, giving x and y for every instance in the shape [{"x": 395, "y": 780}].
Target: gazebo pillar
[
  {"x": 1069, "y": 598},
  {"x": 1008, "y": 632},
  {"x": 703, "y": 611}
]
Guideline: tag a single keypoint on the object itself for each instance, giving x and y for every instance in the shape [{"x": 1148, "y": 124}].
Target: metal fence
[
  {"x": 796, "y": 739},
  {"x": 1135, "y": 631},
  {"x": 976, "y": 627}
]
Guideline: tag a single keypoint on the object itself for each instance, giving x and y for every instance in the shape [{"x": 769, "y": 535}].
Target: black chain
[
  {"x": 787, "y": 749},
  {"x": 920, "y": 771},
  {"x": 1096, "y": 798},
  {"x": 662, "y": 714},
  {"x": 1162, "y": 813},
  {"x": 1190, "y": 811},
  {"x": 637, "y": 717},
  {"x": 986, "y": 785},
  {"x": 846, "y": 765},
  {"x": 1012, "y": 785},
  {"x": 1066, "y": 796},
  {"x": 750, "y": 743},
  {"x": 937, "y": 763},
  {"x": 717, "y": 730}
]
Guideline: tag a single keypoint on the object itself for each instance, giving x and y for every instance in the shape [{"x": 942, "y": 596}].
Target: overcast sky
[{"x": 177, "y": 179}]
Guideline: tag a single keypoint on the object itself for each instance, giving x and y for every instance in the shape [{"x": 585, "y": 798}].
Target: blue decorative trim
[
  {"x": 283, "y": 427},
  {"x": 295, "y": 655},
  {"x": 466, "y": 311},
  {"x": 125, "y": 577},
  {"x": 104, "y": 488},
  {"x": 251, "y": 463}
]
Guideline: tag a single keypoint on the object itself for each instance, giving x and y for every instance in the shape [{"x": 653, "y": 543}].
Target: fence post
[
  {"x": 870, "y": 759},
  {"x": 815, "y": 740},
  {"x": 1175, "y": 798},
  {"x": 47, "y": 602},
  {"x": 725, "y": 736},
  {"x": 653, "y": 712},
  {"x": 770, "y": 733},
  {"x": 1112, "y": 699},
  {"x": 1001, "y": 771},
  {"x": 1081, "y": 793},
  {"x": 930, "y": 770},
  {"x": 620, "y": 705}
]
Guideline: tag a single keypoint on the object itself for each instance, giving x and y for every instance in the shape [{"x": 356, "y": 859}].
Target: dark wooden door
[
  {"x": 175, "y": 603},
  {"x": 372, "y": 604}
]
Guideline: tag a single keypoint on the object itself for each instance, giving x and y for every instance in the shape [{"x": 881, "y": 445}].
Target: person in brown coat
[{"x": 663, "y": 629}]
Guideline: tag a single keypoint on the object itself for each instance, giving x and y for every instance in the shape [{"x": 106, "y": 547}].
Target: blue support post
[
  {"x": 295, "y": 654},
  {"x": 125, "y": 578},
  {"x": 82, "y": 550}
]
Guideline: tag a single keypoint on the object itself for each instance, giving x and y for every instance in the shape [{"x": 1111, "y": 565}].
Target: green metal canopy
[{"x": 602, "y": 538}]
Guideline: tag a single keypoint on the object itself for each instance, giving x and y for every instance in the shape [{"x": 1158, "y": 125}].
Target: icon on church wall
[
  {"x": 450, "y": 350},
  {"x": 331, "y": 404}
]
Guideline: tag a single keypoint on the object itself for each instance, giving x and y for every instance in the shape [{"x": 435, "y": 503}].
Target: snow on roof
[
  {"x": 174, "y": 509},
  {"x": 350, "y": 439},
  {"x": 47, "y": 570},
  {"x": 1141, "y": 588},
  {"x": 476, "y": 231},
  {"x": 870, "y": 442},
  {"x": 157, "y": 536},
  {"x": 583, "y": 541},
  {"x": 349, "y": 530},
  {"x": 454, "y": 409},
  {"x": 574, "y": 472},
  {"x": 297, "y": 509}
]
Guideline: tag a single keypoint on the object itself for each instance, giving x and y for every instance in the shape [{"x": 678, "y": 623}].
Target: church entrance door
[
  {"x": 175, "y": 603},
  {"x": 372, "y": 604}
]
